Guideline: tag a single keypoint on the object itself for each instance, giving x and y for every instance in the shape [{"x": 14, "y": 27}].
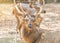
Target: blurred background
[
  {"x": 8, "y": 23},
  {"x": 46, "y": 1}
]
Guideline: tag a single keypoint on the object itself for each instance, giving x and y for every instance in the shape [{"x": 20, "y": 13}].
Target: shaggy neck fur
[{"x": 30, "y": 36}]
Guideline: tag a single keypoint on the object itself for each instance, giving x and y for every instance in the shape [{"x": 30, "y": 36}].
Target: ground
[{"x": 51, "y": 21}]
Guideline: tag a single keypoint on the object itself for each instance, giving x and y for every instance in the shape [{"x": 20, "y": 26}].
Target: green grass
[
  {"x": 9, "y": 40},
  {"x": 6, "y": 40}
]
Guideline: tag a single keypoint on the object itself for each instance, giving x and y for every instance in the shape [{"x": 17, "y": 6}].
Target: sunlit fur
[
  {"x": 35, "y": 34},
  {"x": 29, "y": 35}
]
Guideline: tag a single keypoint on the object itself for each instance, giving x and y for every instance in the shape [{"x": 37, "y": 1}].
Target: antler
[{"x": 14, "y": 2}]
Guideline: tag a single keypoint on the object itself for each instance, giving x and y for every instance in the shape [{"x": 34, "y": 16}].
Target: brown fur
[
  {"x": 28, "y": 34},
  {"x": 37, "y": 35}
]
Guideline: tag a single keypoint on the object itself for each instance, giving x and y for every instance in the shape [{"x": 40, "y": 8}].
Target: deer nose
[{"x": 30, "y": 25}]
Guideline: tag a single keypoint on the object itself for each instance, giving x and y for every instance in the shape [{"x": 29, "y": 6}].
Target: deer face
[
  {"x": 32, "y": 21},
  {"x": 28, "y": 22}
]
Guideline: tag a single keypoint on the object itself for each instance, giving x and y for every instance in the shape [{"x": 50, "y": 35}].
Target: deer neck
[{"x": 29, "y": 36}]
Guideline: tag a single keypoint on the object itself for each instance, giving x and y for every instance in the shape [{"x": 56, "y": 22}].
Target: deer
[{"x": 31, "y": 31}]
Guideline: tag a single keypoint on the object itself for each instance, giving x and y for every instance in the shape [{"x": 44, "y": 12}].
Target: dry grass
[{"x": 51, "y": 20}]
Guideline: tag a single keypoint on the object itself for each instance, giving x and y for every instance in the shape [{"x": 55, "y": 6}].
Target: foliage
[{"x": 11, "y": 1}]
